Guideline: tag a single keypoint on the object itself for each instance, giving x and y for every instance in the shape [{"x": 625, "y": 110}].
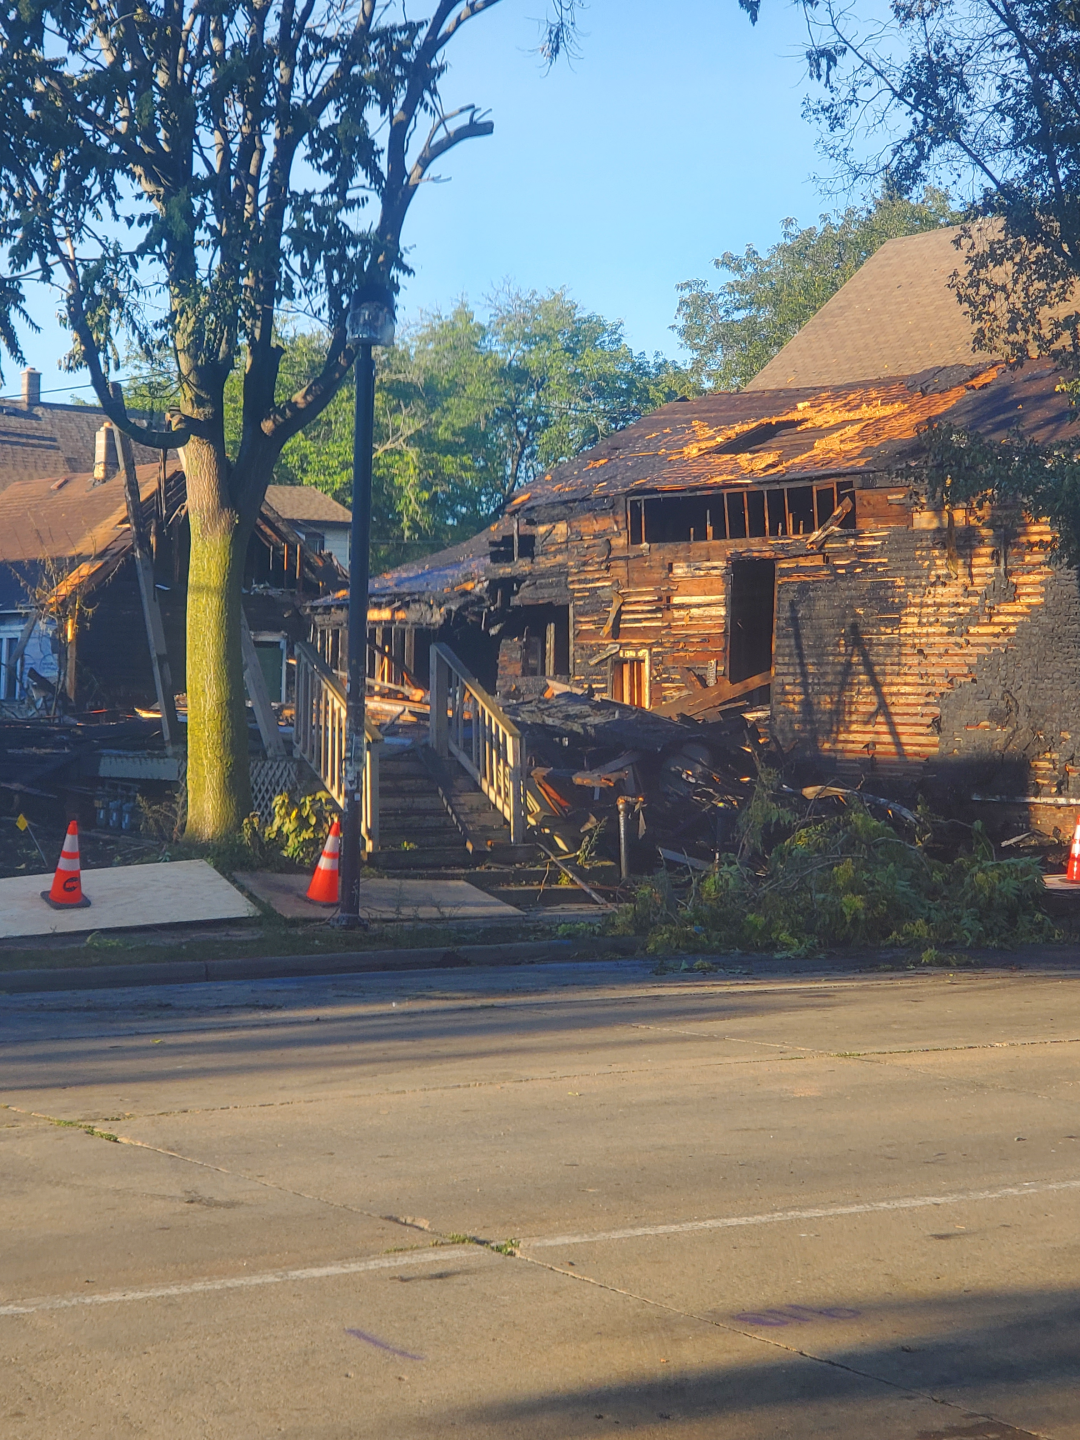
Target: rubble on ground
[{"x": 686, "y": 780}]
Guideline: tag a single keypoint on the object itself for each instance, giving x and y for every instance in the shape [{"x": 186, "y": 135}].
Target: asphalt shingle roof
[
  {"x": 756, "y": 436},
  {"x": 47, "y": 441},
  {"x": 305, "y": 503},
  {"x": 895, "y": 316}
]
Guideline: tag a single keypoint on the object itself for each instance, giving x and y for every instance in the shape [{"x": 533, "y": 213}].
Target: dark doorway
[
  {"x": 535, "y": 644},
  {"x": 751, "y": 608}
]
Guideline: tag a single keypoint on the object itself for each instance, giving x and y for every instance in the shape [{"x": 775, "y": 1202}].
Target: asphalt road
[{"x": 729, "y": 1208}]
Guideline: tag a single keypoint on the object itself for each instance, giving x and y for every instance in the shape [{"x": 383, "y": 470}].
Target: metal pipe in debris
[{"x": 624, "y": 804}]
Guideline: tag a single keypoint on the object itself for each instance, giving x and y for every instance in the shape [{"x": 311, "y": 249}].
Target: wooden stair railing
[
  {"x": 468, "y": 724},
  {"x": 319, "y": 738}
]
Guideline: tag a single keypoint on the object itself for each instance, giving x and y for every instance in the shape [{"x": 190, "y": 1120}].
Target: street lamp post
[{"x": 370, "y": 322}]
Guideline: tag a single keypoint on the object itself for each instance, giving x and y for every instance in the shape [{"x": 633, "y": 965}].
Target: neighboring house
[
  {"x": 64, "y": 544},
  {"x": 773, "y": 547},
  {"x": 39, "y": 440},
  {"x": 320, "y": 521},
  {"x": 72, "y": 625}
]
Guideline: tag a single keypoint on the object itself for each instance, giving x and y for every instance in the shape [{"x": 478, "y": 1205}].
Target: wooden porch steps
[
  {"x": 430, "y": 819},
  {"x": 485, "y": 832}
]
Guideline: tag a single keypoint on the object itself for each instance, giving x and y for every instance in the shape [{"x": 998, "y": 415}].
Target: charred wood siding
[
  {"x": 668, "y": 599},
  {"x": 908, "y": 646},
  {"x": 934, "y": 650},
  {"x": 112, "y": 651}
]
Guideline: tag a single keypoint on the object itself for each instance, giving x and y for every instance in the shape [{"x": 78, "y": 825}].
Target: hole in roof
[{"x": 757, "y": 435}]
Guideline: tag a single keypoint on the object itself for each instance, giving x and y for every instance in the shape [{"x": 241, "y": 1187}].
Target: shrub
[{"x": 298, "y": 827}]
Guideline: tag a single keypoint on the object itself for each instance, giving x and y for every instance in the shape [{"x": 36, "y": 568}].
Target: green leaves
[
  {"x": 735, "y": 330},
  {"x": 849, "y": 880},
  {"x": 964, "y": 468},
  {"x": 984, "y": 97}
]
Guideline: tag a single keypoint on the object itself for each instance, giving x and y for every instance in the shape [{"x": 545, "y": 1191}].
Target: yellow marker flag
[{"x": 22, "y": 822}]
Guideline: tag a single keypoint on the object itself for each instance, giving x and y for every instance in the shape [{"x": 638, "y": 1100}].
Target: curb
[{"x": 281, "y": 967}]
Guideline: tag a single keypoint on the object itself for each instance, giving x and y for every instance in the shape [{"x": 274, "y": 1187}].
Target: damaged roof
[
  {"x": 456, "y": 571},
  {"x": 66, "y": 532},
  {"x": 745, "y": 436},
  {"x": 71, "y": 532},
  {"x": 733, "y": 438}
]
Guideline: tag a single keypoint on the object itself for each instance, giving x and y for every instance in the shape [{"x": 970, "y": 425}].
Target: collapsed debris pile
[{"x": 685, "y": 780}]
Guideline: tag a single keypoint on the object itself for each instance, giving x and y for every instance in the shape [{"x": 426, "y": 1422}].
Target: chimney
[
  {"x": 31, "y": 387},
  {"x": 105, "y": 461}
]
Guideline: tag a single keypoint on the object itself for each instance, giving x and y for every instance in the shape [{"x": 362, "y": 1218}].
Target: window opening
[
  {"x": 755, "y": 512},
  {"x": 825, "y": 501},
  {"x": 800, "y": 500},
  {"x": 271, "y": 652},
  {"x": 535, "y": 642},
  {"x": 777, "y": 512},
  {"x": 501, "y": 551},
  {"x": 751, "y": 512},
  {"x": 9, "y": 672},
  {"x": 736, "y": 516}
]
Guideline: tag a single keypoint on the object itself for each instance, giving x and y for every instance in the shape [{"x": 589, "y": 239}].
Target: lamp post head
[{"x": 371, "y": 316}]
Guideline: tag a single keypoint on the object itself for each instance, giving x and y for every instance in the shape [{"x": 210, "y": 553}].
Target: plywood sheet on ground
[
  {"x": 122, "y": 897},
  {"x": 383, "y": 898}
]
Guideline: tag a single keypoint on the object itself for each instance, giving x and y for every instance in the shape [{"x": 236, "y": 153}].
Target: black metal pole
[{"x": 359, "y": 562}]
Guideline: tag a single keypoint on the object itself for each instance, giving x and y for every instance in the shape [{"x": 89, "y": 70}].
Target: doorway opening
[
  {"x": 535, "y": 645},
  {"x": 751, "y": 613}
]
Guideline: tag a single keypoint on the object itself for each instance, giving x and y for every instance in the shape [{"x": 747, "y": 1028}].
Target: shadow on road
[
  {"x": 1001, "y": 1365},
  {"x": 55, "y": 1054}
]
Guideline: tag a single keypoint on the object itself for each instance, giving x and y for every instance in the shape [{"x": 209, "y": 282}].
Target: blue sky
[{"x": 675, "y": 135}]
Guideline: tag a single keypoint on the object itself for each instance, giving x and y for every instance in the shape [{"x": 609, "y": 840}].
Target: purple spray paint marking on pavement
[
  {"x": 382, "y": 1345},
  {"x": 798, "y": 1314}
]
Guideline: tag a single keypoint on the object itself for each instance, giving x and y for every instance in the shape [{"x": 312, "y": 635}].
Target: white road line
[
  {"x": 438, "y": 1254},
  {"x": 434, "y": 1255},
  {"x": 820, "y": 1212}
]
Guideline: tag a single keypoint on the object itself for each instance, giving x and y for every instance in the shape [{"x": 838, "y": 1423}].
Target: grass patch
[{"x": 78, "y": 1125}]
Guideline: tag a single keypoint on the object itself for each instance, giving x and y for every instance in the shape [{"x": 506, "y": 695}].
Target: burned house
[
  {"x": 73, "y": 619},
  {"x": 775, "y": 548}
]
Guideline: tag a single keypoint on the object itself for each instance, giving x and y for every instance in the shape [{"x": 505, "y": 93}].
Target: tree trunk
[{"x": 218, "y": 773}]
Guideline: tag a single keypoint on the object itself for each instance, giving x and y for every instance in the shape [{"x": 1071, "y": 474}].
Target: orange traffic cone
[
  {"x": 1072, "y": 872},
  {"x": 66, "y": 892},
  {"x": 323, "y": 889}
]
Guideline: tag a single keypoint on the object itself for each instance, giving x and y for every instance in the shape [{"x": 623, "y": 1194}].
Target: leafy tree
[
  {"x": 736, "y": 329},
  {"x": 469, "y": 410},
  {"x": 964, "y": 468},
  {"x": 431, "y": 476},
  {"x": 188, "y": 171},
  {"x": 568, "y": 378},
  {"x": 985, "y": 95}
]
